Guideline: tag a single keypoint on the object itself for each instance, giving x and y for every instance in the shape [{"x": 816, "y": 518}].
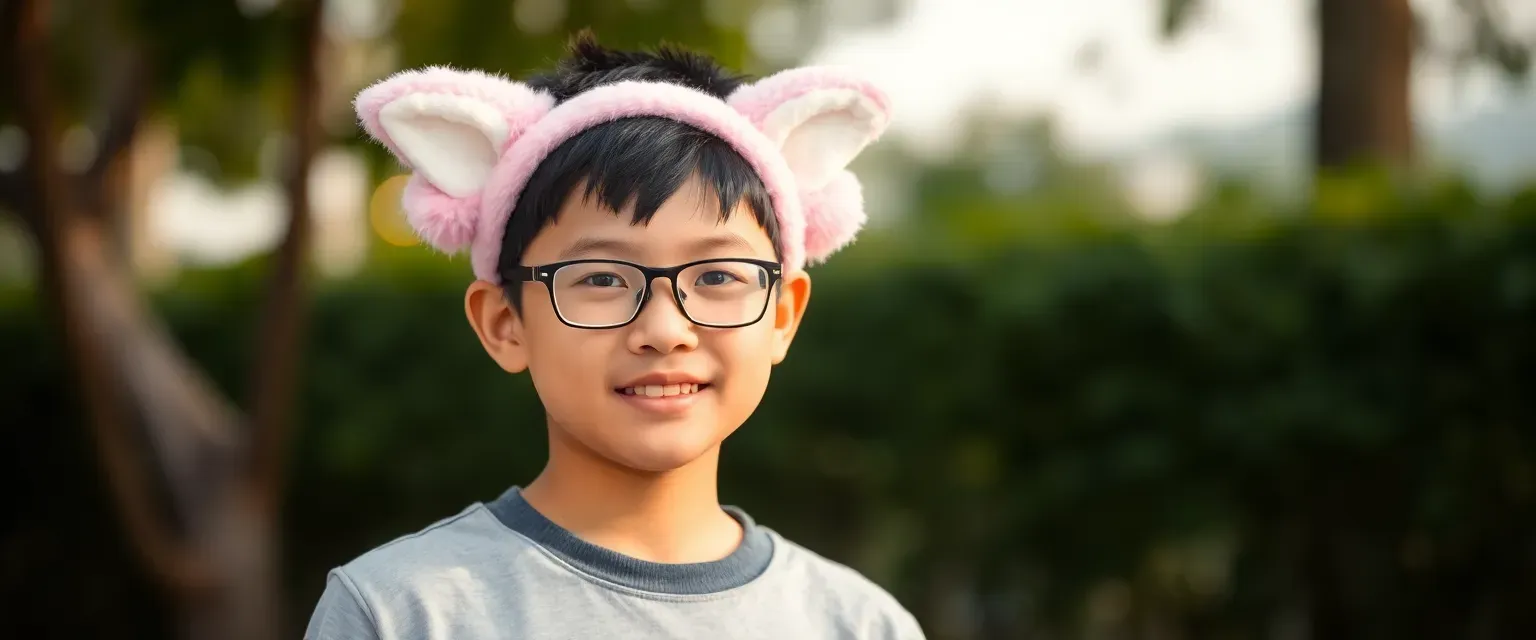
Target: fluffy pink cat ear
[
  {"x": 450, "y": 127},
  {"x": 821, "y": 118}
]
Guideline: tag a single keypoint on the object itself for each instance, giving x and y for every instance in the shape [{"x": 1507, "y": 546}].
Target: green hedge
[{"x": 1207, "y": 427}]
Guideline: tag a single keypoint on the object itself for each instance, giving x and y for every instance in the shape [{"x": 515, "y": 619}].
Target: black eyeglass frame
[{"x": 545, "y": 273}]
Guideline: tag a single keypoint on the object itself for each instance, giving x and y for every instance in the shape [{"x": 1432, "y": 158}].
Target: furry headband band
[{"x": 472, "y": 140}]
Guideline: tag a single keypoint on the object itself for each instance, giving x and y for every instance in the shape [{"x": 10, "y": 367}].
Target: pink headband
[{"x": 473, "y": 139}]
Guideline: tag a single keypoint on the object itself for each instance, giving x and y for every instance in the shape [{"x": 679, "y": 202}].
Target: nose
[{"x": 661, "y": 325}]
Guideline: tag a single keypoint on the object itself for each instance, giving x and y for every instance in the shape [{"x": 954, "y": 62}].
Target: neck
[{"x": 672, "y": 516}]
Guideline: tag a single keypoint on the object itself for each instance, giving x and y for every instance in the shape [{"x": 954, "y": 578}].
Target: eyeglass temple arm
[{"x": 525, "y": 274}]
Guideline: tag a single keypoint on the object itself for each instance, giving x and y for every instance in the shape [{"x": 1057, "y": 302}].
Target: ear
[
  {"x": 497, "y": 324},
  {"x": 450, "y": 128},
  {"x": 821, "y": 118},
  {"x": 789, "y": 309}
]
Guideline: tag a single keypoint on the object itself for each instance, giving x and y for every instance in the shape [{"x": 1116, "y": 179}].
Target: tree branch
[
  {"x": 275, "y": 373},
  {"x": 127, "y": 368},
  {"x": 53, "y": 216},
  {"x": 1177, "y": 15},
  {"x": 129, "y": 96},
  {"x": 1492, "y": 42}
]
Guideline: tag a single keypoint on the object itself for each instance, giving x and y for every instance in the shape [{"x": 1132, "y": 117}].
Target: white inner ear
[
  {"x": 821, "y": 132},
  {"x": 452, "y": 141}
]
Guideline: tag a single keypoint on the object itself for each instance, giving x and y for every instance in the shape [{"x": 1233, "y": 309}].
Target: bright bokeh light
[{"x": 385, "y": 215}]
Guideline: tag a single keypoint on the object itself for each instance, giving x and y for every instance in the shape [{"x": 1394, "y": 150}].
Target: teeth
[{"x": 660, "y": 391}]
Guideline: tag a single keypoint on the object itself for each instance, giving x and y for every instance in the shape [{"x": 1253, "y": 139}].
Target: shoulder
[
  {"x": 438, "y": 544},
  {"x": 441, "y": 562},
  {"x": 850, "y": 596},
  {"x": 360, "y": 596}
]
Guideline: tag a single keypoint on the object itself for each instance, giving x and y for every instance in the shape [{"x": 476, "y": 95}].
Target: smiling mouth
[{"x": 662, "y": 390}]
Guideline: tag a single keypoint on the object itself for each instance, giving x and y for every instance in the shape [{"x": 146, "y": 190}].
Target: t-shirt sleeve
[
  {"x": 905, "y": 627},
  {"x": 340, "y": 614},
  {"x": 895, "y": 623}
]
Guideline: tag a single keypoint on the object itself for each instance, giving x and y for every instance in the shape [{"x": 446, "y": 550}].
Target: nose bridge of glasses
[{"x": 674, "y": 293}]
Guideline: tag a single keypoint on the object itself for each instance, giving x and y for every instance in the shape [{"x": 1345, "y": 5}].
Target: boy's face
[{"x": 593, "y": 382}]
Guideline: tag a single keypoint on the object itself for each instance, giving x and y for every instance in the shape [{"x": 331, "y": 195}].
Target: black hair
[{"x": 639, "y": 160}]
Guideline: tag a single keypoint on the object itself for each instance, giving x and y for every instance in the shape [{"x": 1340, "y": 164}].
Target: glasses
[{"x": 604, "y": 294}]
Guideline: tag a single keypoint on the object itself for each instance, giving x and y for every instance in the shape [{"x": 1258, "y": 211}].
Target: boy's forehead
[
  {"x": 598, "y": 243},
  {"x": 687, "y": 226}
]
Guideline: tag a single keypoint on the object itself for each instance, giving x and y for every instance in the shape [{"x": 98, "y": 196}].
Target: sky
[{"x": 1242, "y": 61}]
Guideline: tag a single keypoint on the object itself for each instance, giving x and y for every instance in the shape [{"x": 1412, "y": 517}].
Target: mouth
[
  {"x": 669, "y": 395},
  {"x": 663, "y": 390}
]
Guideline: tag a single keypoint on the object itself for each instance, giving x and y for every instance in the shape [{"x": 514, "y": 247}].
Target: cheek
[
  {"x": 746, "y": 357},
  {"x": 561, "y": 363}
]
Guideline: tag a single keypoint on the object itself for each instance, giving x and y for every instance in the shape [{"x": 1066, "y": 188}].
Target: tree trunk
[
  {"x": 197, "y": 489},
  {"x": 1363, "y": 109},
  {"x": 273, "y": 379}
]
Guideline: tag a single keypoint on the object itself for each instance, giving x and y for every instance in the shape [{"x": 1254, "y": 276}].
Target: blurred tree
[
  {"x": 1365, "y": 56},
  {"x": 1365, "y": 59},
  {"x": 216, "y": 553},
  {"x": 1363, "y": 117}
]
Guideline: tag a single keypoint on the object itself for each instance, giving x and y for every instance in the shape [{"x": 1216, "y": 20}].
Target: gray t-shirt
[{"x": 502, "y": 570}]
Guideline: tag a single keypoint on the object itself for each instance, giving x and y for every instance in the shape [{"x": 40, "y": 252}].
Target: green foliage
[
  {"x": 1177, "y": 14},
  {"x": 222, "y": 70},
  {"x": 1227, "y": 421},
  {"x": 483, "y": 33}
]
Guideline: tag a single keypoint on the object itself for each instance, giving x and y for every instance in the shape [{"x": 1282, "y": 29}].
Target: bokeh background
[{"x": 1174, "y": 318}]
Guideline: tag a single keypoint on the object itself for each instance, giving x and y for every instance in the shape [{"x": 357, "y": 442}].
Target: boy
[{"x": 637, "y": 223}]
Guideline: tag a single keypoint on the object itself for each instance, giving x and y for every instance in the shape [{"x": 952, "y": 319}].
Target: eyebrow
[{"x": 587, "y": 246}]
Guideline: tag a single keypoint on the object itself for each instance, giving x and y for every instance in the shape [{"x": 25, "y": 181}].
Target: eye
[
  {"x": 602, "y": 280},
  {"x": 716, "y": 278}
]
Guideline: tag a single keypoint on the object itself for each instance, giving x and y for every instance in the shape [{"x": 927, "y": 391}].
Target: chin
[{"x": 659, "y": 451}]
